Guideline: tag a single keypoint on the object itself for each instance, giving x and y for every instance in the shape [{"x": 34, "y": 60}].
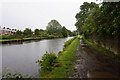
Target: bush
[
  {"x": 51, "y": 36},
  {"x": 27, "y": 36},
  {"x": 16, "y": 76},
  {"x": 45, "y": 35},
  {"x": 48, "y": 61},
  {"x": 48, "y": 36},
  {"x": 5, "y": 36}
]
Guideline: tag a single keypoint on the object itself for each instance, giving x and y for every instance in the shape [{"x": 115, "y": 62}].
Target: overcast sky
[{"x": 21, "y": 14}]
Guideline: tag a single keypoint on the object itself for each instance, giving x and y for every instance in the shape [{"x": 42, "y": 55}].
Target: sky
[{"x": 21, "y": 14}]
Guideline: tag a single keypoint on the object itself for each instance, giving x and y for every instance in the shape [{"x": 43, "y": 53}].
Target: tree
[
  {"x": 54, "y": 27},
  {"x": 64, "y": 32},
  {"x": 27, "y": 31},
  {"x": 37, "y": 32},
  {"x": 42, "y": 32},
  {"x": 101, "y": 22},
  {"x": 70, "y": 33},
  {"x": 74, "y": 33},
  {"x": 18, "y": 32},
  {"x": 84, "y": 13}
]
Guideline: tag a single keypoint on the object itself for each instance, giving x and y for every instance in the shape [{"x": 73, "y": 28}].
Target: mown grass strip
[
  {"x": 29, "y": 38},
  {"x": 22, "y": 38},
  {"x": 65, "y": 62},
  {"x": 9, "y": 39}
]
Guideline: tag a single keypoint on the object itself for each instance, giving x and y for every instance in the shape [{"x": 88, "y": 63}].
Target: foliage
[
  {"x": 54, "y": 27},
  {"x": 45, "y": 35},
  {"x": 27, "y": 31},
  {"x": 102, "y": 25},
  {"x": 101, "y": 22},
  {"x": 53, "y": 30},
  {"x": 16, "y": 76},
  {"x": 84, "y": 13},
  {"x": 74, "y": 33},
  {"x": 27, "y": 36},
  {"x": 51, "y": 36},
  {"x": 47, "y": 61},
  {"x": 5, "y": 36},
  {"x": 64, "y": 64},
  {"x": 64, "y": 32},
  {"x": 37, "y": 32},
  {"x": 70, "y": 33},
  {"x": 42, "y": 32},
  {"x": 18, "y": 32}
]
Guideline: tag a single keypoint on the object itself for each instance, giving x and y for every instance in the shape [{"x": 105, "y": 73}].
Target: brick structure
[{"x": 6, "y": 31}]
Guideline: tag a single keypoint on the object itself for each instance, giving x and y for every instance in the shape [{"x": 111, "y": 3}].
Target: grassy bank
[
  {"x": 63, "y": 67},
  {"x": 29, "y": 38},
  {"x": 103, "y": 50}
]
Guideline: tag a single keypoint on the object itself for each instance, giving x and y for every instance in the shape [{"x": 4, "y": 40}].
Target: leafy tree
[
  {"x": 27, "y": 31},
  {"x": 70, "y": 33},
  {"x": 64, "y": 32},
  {"x": 74, "y": 33},
  {"x": 37, "y": 32},
  {"x": 18, "y": 32},
  {"x": 54, "y": 27},
  {"x": 84, "y": 13},
  {"x": 99, "y": 22},
  {"x": 42, "y": 32},
  {"x": 110, "y": 11}
]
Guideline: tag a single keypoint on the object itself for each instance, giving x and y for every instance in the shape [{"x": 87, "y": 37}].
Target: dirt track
[{"x": 92, "y": 64}]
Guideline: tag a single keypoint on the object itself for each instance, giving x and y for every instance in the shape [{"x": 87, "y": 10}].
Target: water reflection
[
  {"x": 12, "y": 43},
  {"x": 21, "y": 57}
]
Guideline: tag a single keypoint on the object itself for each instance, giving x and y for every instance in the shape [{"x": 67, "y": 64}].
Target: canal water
[{"x": 21, "y": 57}]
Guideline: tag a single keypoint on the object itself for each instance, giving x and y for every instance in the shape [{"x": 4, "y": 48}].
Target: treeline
[
  {"x": 100, "y": 23},
  {"x": 54, "y": 29}
]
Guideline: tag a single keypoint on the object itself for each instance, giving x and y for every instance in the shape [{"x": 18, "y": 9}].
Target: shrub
[
  {"x": 51, "y": 36},
  {"x": 16, "y": 76},
  {"x": 27, "y": 36},
  {"x": 5, "y": 36},
  {"x": 45, "y": 35},
  {"x": 48, "y": 61}
]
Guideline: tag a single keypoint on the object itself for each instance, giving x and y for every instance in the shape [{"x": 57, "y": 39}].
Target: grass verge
[
  {"x": 29, "y": 38},
  {"x": 63, "y": 67},
  {"x": 103, "y": 50}
]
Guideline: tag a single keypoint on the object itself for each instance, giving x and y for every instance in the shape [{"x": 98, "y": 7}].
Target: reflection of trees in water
[
  {"x": 13, "y": 43},
  {"x": 35, "y": 46}
]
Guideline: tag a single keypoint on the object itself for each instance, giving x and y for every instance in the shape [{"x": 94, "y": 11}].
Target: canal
[{"x": 21, "y": 57}]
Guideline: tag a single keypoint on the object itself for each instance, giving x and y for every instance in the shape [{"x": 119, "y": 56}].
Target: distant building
[{"x": 5, "y": 31}]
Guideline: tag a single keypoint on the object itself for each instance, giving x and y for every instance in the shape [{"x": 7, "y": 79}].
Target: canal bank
[
  {"x": 21, "y": 57},
  {"x": 103, "y": 50},
  {"x": 26, "y": 39},
  {"x": 65, "y": 61},
  {"x": 92, "y": 64}
]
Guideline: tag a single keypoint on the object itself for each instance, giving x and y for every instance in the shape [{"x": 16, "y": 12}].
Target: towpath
[{"x": 92, "y": 64}]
